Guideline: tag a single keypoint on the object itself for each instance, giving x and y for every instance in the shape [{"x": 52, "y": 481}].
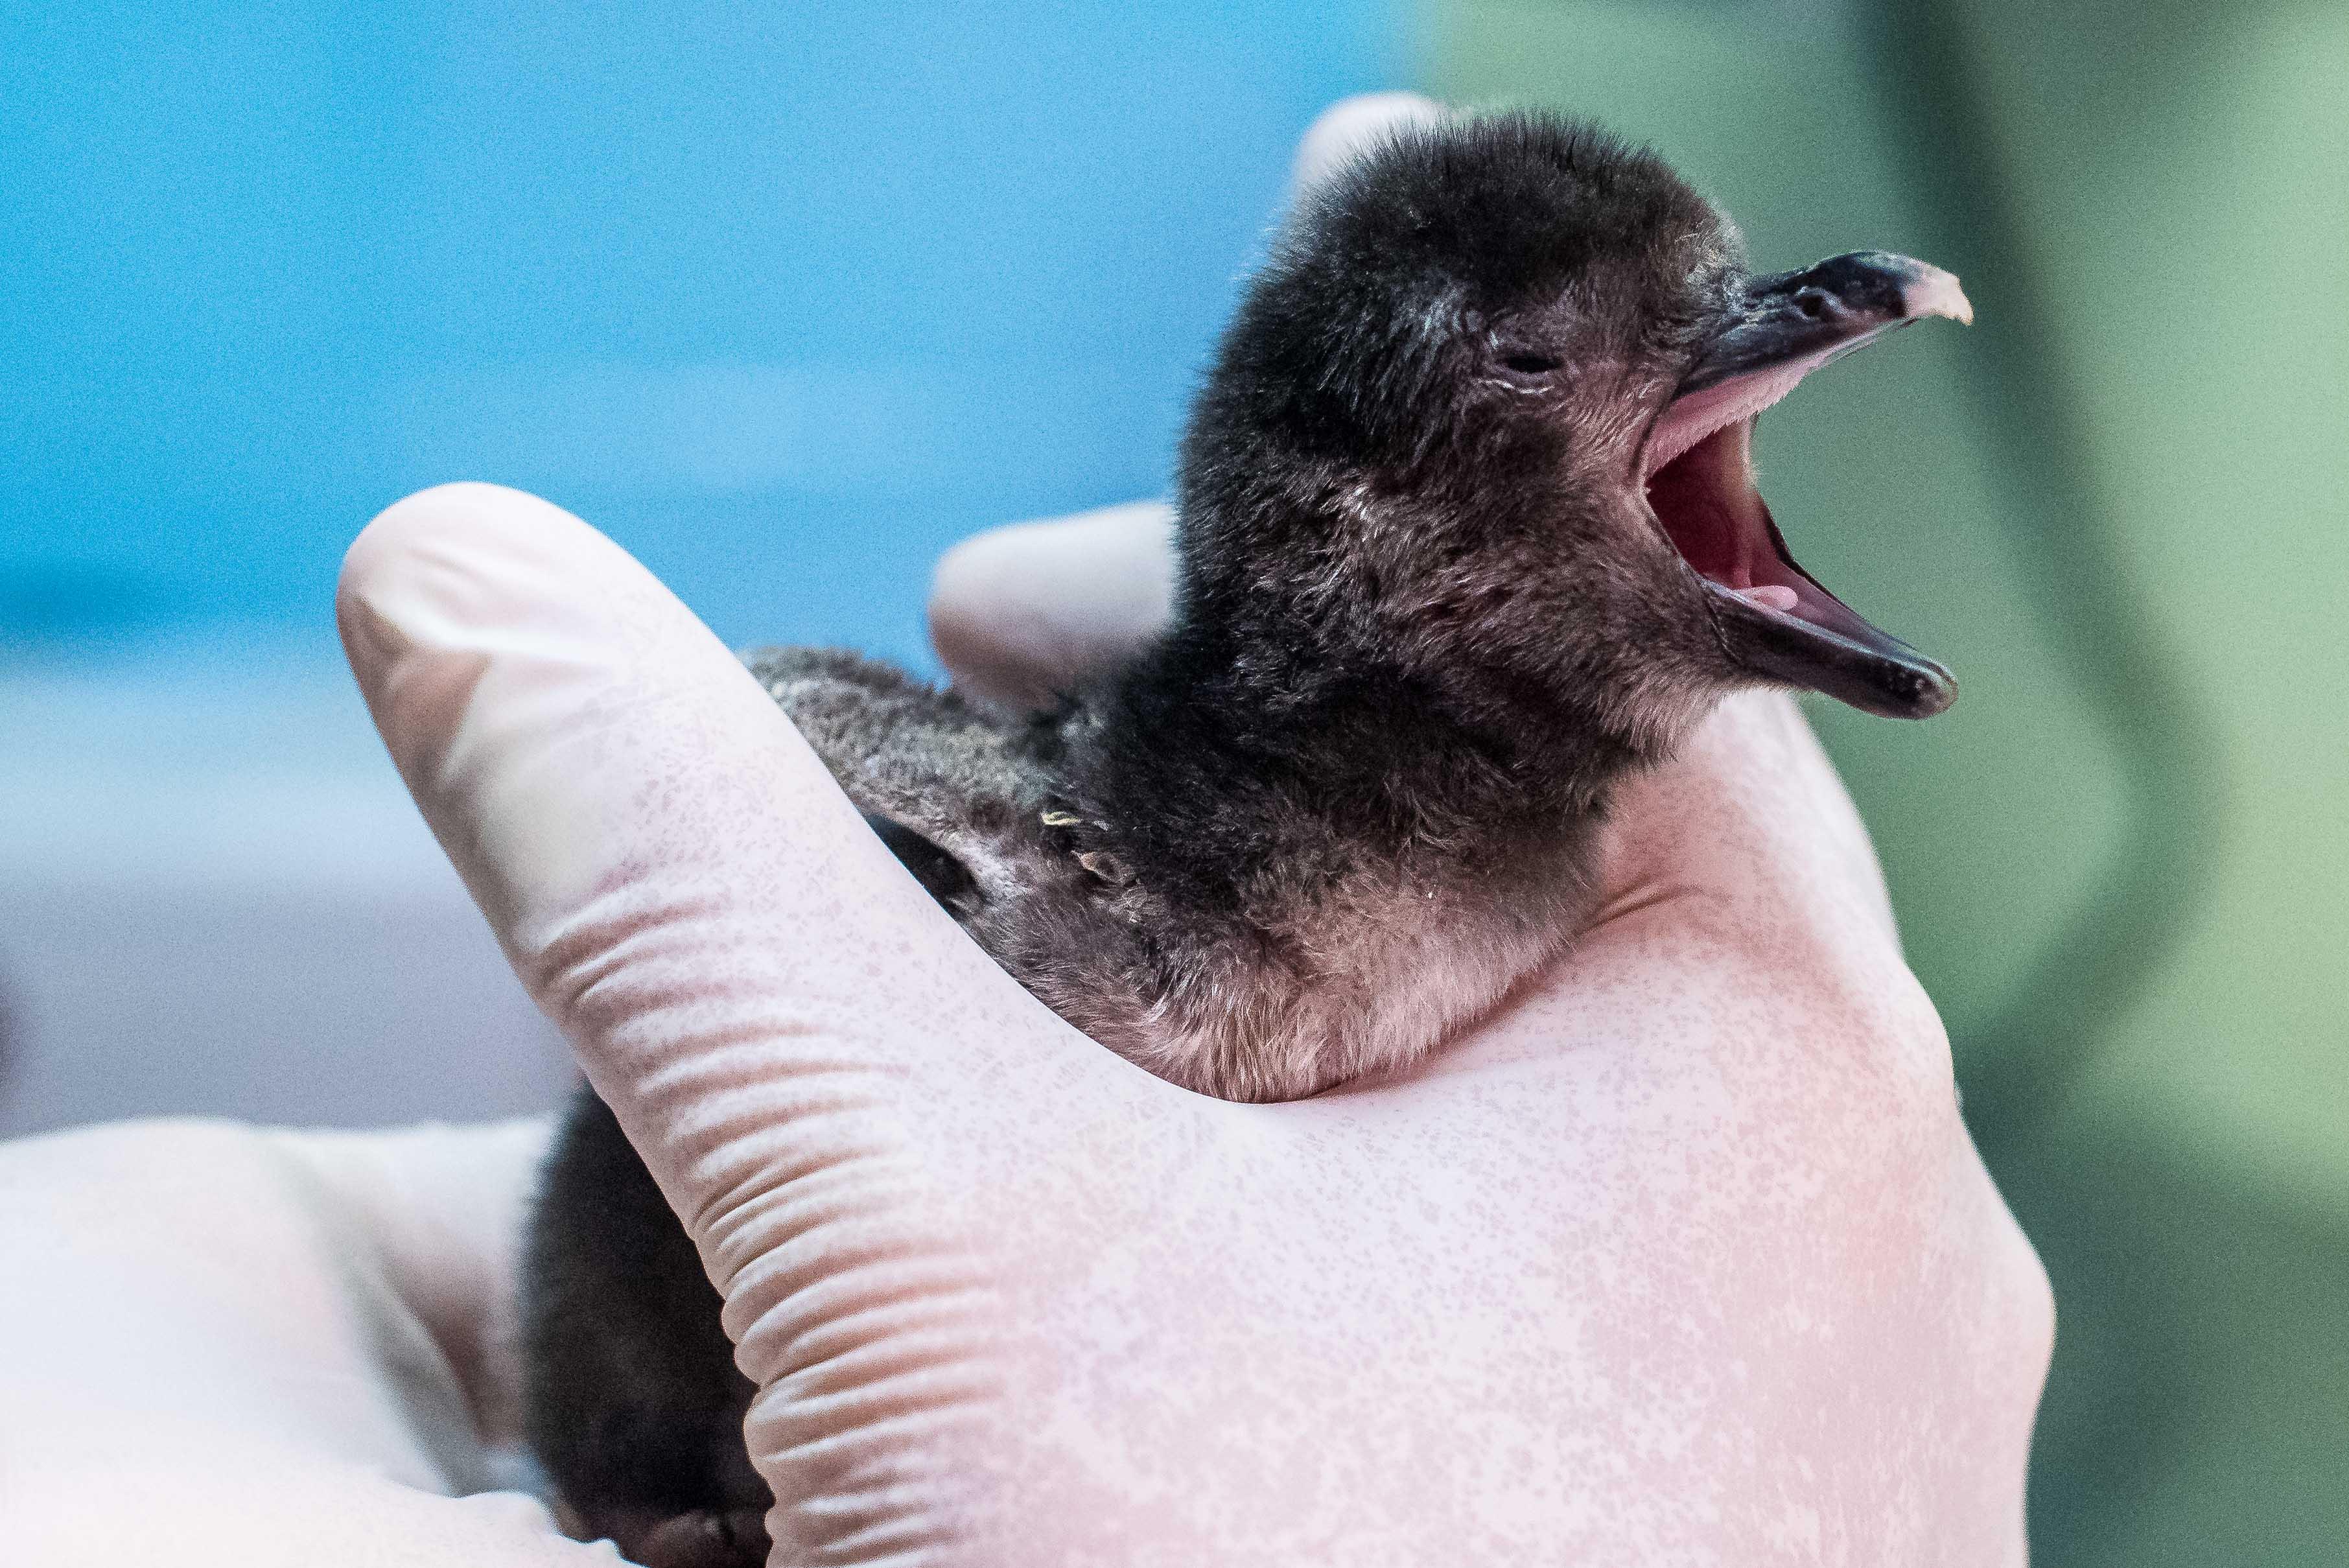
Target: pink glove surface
[{"x": 1683, "y": 1255}]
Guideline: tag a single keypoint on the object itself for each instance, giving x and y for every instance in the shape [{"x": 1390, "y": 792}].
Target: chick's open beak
[{"x": 1774, "y": 617}]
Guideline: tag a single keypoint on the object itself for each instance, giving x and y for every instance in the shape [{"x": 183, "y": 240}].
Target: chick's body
[
  {"x": 1467, "y": 531},
  {"x": 634, "y": 1403}
]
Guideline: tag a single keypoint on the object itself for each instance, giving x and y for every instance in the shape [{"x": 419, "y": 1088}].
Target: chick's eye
[{"x": 1531, "y": 364}]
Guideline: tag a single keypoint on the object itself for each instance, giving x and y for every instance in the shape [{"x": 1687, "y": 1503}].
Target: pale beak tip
[{"x": 1936, "y": 293}]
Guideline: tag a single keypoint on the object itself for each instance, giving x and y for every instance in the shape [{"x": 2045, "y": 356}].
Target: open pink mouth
[
  {"x": 1706, "y": 501},
  {"x": 1710, "y": 508},
  {"x": 1776, "y": 617}
]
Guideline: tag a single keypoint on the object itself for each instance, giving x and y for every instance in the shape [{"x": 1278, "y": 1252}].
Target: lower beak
[{"x": 1774, "y": 617}]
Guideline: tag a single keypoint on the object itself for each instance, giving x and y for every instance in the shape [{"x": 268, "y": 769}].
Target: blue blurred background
[{"x": 787, "y": 300}]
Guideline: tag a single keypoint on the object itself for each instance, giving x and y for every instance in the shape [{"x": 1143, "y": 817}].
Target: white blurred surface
[{"x": 216, "y": 898}]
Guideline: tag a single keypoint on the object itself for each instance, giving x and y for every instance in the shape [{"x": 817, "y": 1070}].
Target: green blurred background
[{"x": 2115, "y": 507}]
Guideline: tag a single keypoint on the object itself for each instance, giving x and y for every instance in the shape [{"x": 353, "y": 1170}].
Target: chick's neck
[{"x": 1267, "y": 723}]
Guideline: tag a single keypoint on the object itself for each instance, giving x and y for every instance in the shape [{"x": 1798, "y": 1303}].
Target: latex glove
[
  {"x": 1686, "y": 1255},
  {"x": 220, "y": 1344}
]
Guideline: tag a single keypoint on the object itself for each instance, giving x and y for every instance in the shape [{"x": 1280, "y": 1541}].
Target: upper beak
[
  {"x": 1824, "y": 312},
  {"x": 1701, "y": 482}
]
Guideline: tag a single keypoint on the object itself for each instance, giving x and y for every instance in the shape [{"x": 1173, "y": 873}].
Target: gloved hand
[{"x": 1683, "y": 1254}]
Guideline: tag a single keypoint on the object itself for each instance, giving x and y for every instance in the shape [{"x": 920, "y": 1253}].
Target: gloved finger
[
  {"x": 431, "y": 1218},
  {"x": 278, "y": 1510},
  {"x": 827, "y": 1079},
  {"x": 674, "y": 875},
  {"x": 252, "y": 1346},
  {"x": 1349, "y": 126},
  {"x": 1024, "y": 614}
]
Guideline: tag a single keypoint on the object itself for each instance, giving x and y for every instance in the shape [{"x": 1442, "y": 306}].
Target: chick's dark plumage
[{"x": 1432, "y": 603}]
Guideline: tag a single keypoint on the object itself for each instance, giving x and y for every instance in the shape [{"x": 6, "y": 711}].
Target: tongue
[{"x": 1770, "y": 596}]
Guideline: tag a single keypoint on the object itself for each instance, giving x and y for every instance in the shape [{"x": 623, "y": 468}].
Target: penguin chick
[{"x": 1468, "y": 532}]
